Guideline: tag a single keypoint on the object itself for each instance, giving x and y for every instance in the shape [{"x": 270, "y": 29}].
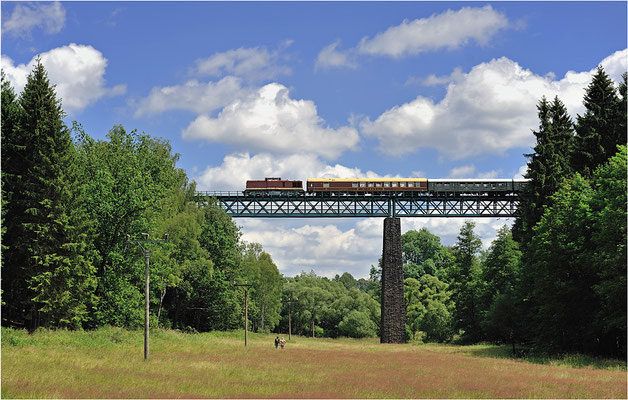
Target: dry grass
[{"x": 108, "y": 363}]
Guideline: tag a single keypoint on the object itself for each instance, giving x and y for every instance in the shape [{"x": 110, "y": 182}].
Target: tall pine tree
[
  {"x": 14, "y": 286},
  {"x": 47, "y": 251},
  {"x": 464, "y": 283},
  {"x": 549, "y": 165},
  {"x": 602, "y": 127}
]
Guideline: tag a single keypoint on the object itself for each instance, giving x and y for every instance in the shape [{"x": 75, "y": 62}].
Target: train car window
[
  {"x": 362, "y": 184},
  {"x": 325, "y": 185},
  {"x": 395, "y": 184},
  {"x": 501, "y": 185},
  {"x": 410, "y": 184},
  {"x": 493, "y": 186},
  {"x": 447, "y": 186},
  {"x": 370, "y": 184},
  {"x": 386, "y": 184},
  {"x": 402, "y": 184},
  {"x": 485, "y": 185},
  {"x": 354, "y": 184},
  {"x": 378, "y": 185},
  {"x": 477, "y": 185}
]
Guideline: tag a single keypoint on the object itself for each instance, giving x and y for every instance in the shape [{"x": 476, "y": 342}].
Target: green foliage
[
  {"x": 357, "y": 324},
  {"x": 608, "y": 219},
  {"x": 429, "y": 308},
  {"x": 603, "y": 126},
  {"x": 424, "y": 254},
  {"x": 45, "y": 255},
  {"x": 265, "y": 299},
  {"x": 562, "y": 298},
  {"x": 326, "y": 304},
  {"x": 548, "y": 165},
  {"x": 464, "y": 282}
]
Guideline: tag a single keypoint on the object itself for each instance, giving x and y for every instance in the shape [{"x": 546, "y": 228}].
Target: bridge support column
[{"x": 393, "y": 325}]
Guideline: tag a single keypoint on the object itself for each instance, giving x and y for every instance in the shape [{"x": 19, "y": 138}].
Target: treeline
[
  {"x": 559, "y": 285},
  {"x": 556, "y": 283},
  {"x": 68, "y": 203}
]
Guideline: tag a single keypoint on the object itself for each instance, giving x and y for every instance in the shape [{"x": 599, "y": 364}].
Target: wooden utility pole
[
  {"x": 147, "y": 283},
  {"x": 246, "y": 286},
  {"x": 290, "y": 300}
]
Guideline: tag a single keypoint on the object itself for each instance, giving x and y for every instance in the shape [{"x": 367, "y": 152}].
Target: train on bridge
[{"x": 384, "y": 186}]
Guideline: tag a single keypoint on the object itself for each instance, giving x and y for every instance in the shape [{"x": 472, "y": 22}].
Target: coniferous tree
[
  {"x": 464, "y": 282},
  {"x": 14, "y": 288},
  {"x": 548, "y": 165},
  {"x": 601, "y": 128},
  {"x": 49, "y": 247},
  {"x": 563, "y": 303}
]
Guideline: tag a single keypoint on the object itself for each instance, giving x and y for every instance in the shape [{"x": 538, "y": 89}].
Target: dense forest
[{"x": 556, "y": 283}]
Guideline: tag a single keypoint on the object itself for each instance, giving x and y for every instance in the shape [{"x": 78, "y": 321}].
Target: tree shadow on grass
[{"x": 566, "y": 360}]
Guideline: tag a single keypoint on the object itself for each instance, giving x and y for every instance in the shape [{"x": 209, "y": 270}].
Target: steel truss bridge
[{"x": 326, "y": 205}]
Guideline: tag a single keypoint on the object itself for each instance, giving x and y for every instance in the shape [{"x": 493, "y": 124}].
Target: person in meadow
[
  {"x": 282, "y": 342},
  {"x": 277, "y": 342}
]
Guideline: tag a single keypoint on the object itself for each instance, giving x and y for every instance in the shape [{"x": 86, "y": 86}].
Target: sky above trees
[{"x": 299, "y": 90}]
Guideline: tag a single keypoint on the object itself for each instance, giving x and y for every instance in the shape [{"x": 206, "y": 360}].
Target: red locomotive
[{"x": 274, "y": 185}]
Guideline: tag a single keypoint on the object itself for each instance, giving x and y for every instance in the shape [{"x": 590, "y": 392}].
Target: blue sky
[{"x": 298, "y": 90}]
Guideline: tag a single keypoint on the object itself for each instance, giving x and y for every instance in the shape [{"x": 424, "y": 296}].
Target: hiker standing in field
[
  {"x": 282, "y": 342},
  {"x": 277, "y": 342}
]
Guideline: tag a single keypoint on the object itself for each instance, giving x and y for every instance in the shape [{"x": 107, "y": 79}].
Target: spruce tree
[
  {"x": 599, "y": 130},
  {"x": 464, "y": 282},
  {"x": 549, "y": 165},
  {"x": 14, "y": 287},
  {"x": 47, "y": 248}
]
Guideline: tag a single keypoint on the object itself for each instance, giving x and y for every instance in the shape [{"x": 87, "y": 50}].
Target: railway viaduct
[{"x": 392, "y": 207}]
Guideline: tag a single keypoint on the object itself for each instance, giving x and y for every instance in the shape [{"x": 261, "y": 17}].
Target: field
[{"x": 108, "y": 363}]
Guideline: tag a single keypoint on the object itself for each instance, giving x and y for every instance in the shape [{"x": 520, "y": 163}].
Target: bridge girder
[{"x": 424, "y": 205}]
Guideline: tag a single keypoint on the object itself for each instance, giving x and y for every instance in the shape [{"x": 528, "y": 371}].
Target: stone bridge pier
[{"x": 393, "y": 324}]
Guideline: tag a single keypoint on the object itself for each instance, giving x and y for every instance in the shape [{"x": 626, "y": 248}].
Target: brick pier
[{"x": 393, "y": 326}]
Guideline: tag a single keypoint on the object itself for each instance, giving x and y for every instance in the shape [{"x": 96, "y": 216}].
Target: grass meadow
[{"x": 108, "y": 363}]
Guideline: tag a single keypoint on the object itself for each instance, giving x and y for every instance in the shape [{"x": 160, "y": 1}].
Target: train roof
[
  {"x": 367, "y": 180},
  {"x": 471, "y": 180}
]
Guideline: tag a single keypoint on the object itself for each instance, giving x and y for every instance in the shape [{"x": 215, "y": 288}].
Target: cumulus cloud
[
  {"x": 448, "y": 30},
  {"x": 490, "y": 109},
  {"x": 257, "y": 63},
  {"x": 237, "y": 168},
  {"x": 521, "y": 172},
  {"x": 470, "y": 171},
  {"x": 270, "y": 121},
  {"x": 349, "y": 245},
  {"x": 319, "y": 245},
  {"x": 199, "y": 97},
  {"x": 76, "y": 70},
  {"x": 329, "y": 57},
  {"x": 50, "y": 17}
]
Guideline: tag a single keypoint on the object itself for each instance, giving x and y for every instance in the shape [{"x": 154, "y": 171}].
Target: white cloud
[
  {"x": 237, "y": 168},
  {"x": 449, "y": 30},
  {"x": 257, "y": 63},
  {"x": 194, "y": 96},
  {"x": 470, "y": 171},
  {"x": 463, "y": 171},
  {"x": 318, "y": 245},
  {"x": 269, "y": 120},
  {"x": 521, "y": 172},
  {"x": 329, "y": 57},
  {"x": 76, "y": 70},
  {"x": 616, "y": 64},
  {"x": 490, "y": 109},
  {"x": 348, "y": 245},
  {"x": 25, "y": 17}
]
